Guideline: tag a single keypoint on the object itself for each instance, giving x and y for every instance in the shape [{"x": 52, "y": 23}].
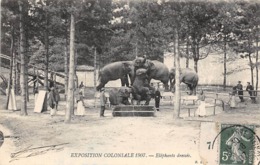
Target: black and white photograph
[{"x": 130, "y": 82}]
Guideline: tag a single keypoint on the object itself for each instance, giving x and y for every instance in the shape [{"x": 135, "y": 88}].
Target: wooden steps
[{"x": 133, "y": 110}]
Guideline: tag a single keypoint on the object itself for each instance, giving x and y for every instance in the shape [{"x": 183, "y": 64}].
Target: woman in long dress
[
  {"x": 80, "y": 105},
  {"x": 233, "y": 98},
  {"x": 201, "y": 111}
]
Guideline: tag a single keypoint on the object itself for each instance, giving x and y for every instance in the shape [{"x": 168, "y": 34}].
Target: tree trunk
[
  {"x": 95, "y": 68},
  {"x": 195, "y": 55},
  {"x": 177, "y": 78},
  {"x": 76, "y": 62},
  {"x": 225, "y": 65},
  {"x": 196, "y": 58},
  {"x": 252, "y": 69},
  {"x": 14, "y": 72},
  {"x": 196, "y": 65},
  {"x": 11, "y": 68},
  {"x": 22, "y": 51},
  {"x": 18, "y": 74},
  {"x": 256, "y": 66},
  {"x": 66, "y": 67},
  {"x": 174, "y": 52},
  {"x": 136, "y": 49},
  {"x": 26, "y": 59},
  {"x": 187, "y": 54},
  {"x": 70, "y": 100},
  {"x": 18, "y": 78},
  {"x": 46, "y": 60}
]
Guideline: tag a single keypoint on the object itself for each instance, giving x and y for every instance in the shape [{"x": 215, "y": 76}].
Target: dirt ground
[{"x": 86, "y": 137}]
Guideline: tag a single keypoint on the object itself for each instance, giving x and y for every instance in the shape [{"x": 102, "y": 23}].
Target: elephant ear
[
  {"x": 126, "y": 67},
  {"x": 139, "y": 61}
]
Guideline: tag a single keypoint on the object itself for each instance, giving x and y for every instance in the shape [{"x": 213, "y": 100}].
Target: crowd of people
[
  {"x": 54, "y": 98},
  {"x": 238, "y": 89}
]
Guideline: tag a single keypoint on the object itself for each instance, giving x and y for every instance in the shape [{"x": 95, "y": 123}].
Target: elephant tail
[{"x": 196, "y": 81}]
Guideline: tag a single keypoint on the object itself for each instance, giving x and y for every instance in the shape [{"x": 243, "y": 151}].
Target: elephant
[
  {"x": 141, "y": 89},
  {"x": 119, "y": 96},
  {"x": 114, "y": 71},
  {"x": 155, "y": 70},
  {"x": 187, "y": 76}
]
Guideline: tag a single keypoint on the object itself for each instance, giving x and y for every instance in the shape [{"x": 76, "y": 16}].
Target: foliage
[{"x": 120, "y": 30}]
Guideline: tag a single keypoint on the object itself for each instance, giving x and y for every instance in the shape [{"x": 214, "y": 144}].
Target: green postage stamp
[{"x": 229, "y": 144}]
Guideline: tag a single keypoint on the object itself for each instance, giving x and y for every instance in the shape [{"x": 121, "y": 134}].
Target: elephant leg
[
  {"x": 122, "y": 82},
  {"x": 166, "y": 86},
  {"x": 147, "y": 100},
  {"x": 125, "y": 101},
  {"x": 195, "y": 87},
  {"x": 190, "y": 88},
  {"x": 172, "y": 85},
  {"x": 194, "y": 90},
  {"x": 138, "y": 100}
]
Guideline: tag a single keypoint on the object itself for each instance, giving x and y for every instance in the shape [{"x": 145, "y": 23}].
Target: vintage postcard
[{"x": 129, "y": 82}]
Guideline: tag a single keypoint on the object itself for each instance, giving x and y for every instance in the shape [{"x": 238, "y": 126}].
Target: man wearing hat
[
  {"x": 240, "y": 91},
  {"x": 250, "y": 89},
  {"x": 102, "y": 102}
]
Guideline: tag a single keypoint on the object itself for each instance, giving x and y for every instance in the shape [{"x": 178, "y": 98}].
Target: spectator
[
  {"x": 80, "y": 104},
  {"x": 201, "y": 111},
  {"x": 157, "y": 98},
  {"x": 51, "y": 85},
  {"x": 35, "y": 85},
  {"x": 102, "y": 102},
  {"x": 233, "y": 97},
  {"x": 36, "y": 92},
  {"x": 81, "y": 85},
  {"x": 57, "y": 98},
  {"x": 251, "y": 92},
  {"x": 81, "y": 89},
  {"x": 52, "y": 101},
  {"x": 240, "y": 91}
]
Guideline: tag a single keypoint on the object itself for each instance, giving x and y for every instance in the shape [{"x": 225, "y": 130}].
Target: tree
[
  {"x": 224, "y": 26},
  {"x": 198, "y": 17},
  {"x": 12, "y": 52},
  {"x": 247, "y": 31},
  {"x": 70, "y": 101},
  {"x": 46, "y": 43},
  {"x": 177, "y": 78},
  {"x": 23, "y": 58}
]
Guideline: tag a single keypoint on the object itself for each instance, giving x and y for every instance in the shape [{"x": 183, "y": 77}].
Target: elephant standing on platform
[
  {"x": 141, "y": 89},
  {"x": 114, "y": 71},
  {"x": 187, "y": 76},
  {"x": 155, "y": 70}
]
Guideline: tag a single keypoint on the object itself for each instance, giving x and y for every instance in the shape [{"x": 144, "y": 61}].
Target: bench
[
  {"x": 189, "y": 107},
  {"x": 167, "y": 97},
  {"x": 189, "y": 98},
  {"x": 215, "y": 101}
]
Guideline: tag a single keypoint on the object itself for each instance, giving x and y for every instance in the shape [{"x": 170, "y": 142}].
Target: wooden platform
[{"x": 133, "y": 110}]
